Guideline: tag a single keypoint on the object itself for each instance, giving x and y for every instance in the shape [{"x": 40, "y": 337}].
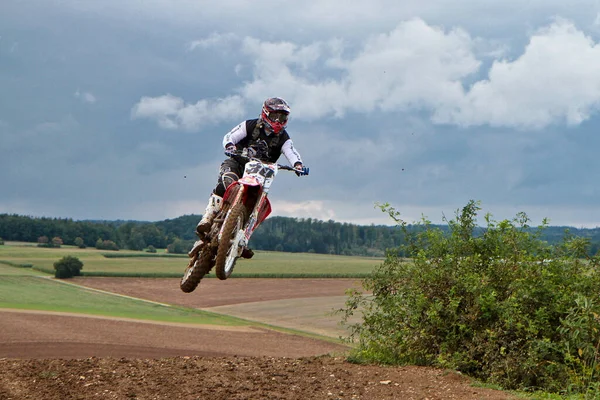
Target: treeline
[{"x": 276, "y": 234}]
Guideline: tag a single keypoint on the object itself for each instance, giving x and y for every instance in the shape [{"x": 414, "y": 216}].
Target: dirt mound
[
  {"x": 65, "y": 356},
  {"x": 228, "y": 378}
]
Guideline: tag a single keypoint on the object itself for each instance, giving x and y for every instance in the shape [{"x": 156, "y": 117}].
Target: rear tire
[{"x": 228, "y": 250}]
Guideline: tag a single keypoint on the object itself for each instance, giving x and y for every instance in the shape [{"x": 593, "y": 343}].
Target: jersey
[{"x": 252, "y": 131}]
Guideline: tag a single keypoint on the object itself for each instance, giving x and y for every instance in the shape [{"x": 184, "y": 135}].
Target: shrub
[
  {"x": 56, "y": 242},
  {"x": 497, "y": 303},
  {"x": 151, "y": 249},
  {"x": 67, "y": 267},
  {"x": 1, "y": 241},
  {"x": 79, "y": 243},
  {"x": 180, "y": 246},
  {"x": 106, "y": 245}
]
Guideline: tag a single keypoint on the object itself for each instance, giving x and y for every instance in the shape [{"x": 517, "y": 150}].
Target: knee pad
[{"x": 228, "y": 178}]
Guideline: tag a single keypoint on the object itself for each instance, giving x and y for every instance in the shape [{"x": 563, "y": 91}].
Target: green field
[
  {"x": 22, "y": 286},
  {"x": 264, "y": 264},
  {"x": 7, "y": 270},
  {"x": 38, "y": 293}
]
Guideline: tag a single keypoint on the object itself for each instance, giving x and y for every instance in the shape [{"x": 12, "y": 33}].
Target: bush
[
  {"x": 106, "y": 245},
  {"x": 67, "y": 267},
  {"x": 151, "y": 249},
  {"x": 79, "y": 243},
  {"x": 56, "y": 242},
  {"x": 180, "y": 246},
  {"x": 1, "y": 241},
  {"x": 497, "y": 303}
]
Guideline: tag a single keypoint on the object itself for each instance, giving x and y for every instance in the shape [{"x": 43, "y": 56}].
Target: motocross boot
[
  {"x": 247, "y": 253},
  {"x": 212, "y": 209}
]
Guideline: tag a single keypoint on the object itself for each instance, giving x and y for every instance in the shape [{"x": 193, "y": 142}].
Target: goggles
[{"x": 278, "y": 116}]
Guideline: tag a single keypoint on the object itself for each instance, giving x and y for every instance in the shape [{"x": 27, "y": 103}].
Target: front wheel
[
  {"x": 229, "y": 244},
  {"x": 199, "y": 266}
]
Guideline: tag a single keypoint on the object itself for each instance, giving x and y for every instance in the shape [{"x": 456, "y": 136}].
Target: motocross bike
[{"x": 244, "y": 207}]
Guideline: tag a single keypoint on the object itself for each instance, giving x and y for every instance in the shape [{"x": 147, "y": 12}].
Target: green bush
[
  {"x": 67, "y": 267},
  {"x": 180, "y": 246},
  {"x": 497, "y": 303},
  {"x": 151, "y": 249},
  {"x": 1, "y": 241},
  {"x": 106, "y": 245},
  {"x": 79, "y": 242}
]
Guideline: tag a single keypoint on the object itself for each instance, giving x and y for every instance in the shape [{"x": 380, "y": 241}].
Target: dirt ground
[{"x": 65, "y": 356}]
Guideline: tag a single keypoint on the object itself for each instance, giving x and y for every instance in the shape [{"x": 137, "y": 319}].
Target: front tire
[
  {"x": 199, "y": 266},
  {"x": 229, "y": 249}
]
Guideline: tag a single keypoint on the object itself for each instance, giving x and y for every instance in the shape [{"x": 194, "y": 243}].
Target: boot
[
  {"x": 212, "y": 209},
  {"x": 247, "y": 253}
]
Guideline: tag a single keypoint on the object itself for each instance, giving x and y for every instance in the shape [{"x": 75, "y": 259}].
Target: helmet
[{"x": 275, "y": 114}]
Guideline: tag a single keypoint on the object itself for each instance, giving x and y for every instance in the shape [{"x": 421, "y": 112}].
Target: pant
[{"x": 229, "y": 172}]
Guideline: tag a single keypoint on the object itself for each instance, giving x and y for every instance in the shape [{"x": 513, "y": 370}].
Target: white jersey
[{"x": 239, "y": 135}]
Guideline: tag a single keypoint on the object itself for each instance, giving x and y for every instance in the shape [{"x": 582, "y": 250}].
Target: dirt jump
[{"x": 65, "y": 356}]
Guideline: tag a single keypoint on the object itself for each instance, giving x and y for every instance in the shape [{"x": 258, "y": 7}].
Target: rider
[{"x": 266, "y": 139}]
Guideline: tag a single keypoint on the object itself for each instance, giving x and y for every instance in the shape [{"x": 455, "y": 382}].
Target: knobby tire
[
  {"x": 237, "y": 213},
  {"x": 204, "y": 265}
]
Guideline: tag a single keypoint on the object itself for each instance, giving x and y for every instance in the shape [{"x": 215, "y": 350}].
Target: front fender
[
  {"x": 231, "y": 190},
  {"x": 249, "y": 181}
]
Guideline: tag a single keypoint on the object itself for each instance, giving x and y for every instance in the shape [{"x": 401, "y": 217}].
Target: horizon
[{"x": 271, "y": 216}]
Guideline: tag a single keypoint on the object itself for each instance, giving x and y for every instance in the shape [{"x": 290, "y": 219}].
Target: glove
[
  {"x": 300, "y": 169},
  {"x": 230, "y": 149}
]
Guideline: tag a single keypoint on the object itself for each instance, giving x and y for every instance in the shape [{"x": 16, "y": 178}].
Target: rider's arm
[
  {"x": 235, "y": 135},
  {"x": 291, "y": 153}
]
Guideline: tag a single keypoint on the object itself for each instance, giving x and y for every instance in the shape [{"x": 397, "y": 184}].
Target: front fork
[{"x": 253, "y": 218}]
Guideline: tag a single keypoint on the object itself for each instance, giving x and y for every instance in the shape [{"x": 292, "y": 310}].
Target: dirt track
[{"x": 49, "y": 356}]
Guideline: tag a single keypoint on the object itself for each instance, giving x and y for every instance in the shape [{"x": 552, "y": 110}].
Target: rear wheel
[{"x": 229, "y": 244}]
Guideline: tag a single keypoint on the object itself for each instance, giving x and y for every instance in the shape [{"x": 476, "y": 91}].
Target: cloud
[
  {"x": 173, "y": 113},
  {"x": 556, "y": 79},
  {"x": 214, "y": 40},
  {"x": 417, "y": 66},
  {"x": 596, "y": 22},
  {"x": 86, "y": 97},
  {"x": 306, "y": 209}
]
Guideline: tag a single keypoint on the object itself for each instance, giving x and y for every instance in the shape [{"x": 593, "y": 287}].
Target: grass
[
  {"x": 264, "y": 264},
  {"x": 7, "y": 270},
  {"x": 38, "y": 293}
]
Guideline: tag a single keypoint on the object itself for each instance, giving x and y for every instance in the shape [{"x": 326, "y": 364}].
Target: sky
[{"x": 117, "y": 110}]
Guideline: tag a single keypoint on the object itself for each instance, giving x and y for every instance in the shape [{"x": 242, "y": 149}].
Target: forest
[{"x": 284, "y": 234}]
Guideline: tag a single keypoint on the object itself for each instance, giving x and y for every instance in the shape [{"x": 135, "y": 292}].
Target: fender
[
  {"x": 231, "y": 190},
  {"x": 249, "y": 181}
]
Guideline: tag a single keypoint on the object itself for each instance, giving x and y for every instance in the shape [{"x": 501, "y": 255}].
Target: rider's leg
[
  {"x": 212, "y": 208},
  {"x": 229, "y": 172}
]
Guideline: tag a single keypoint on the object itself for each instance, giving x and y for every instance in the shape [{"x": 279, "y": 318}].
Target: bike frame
[{"x": 253, "y": 187}]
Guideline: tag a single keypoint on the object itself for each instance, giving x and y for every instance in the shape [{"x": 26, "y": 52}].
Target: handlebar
[{"x": 238, "y": 154}]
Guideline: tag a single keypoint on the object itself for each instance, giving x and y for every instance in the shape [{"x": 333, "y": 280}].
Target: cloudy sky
[{"x": 116, "y": 109}]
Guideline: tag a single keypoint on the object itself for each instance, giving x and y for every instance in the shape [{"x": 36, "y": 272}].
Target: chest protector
[{"x": 256, "y": 134}]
